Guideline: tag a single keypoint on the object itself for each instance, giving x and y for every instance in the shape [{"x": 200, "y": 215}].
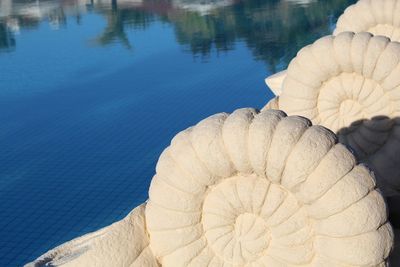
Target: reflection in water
[
  {"x": 7, "y": 41},
  {"x": 120, "y": 16},
  {"x": 269, "y": 28}
]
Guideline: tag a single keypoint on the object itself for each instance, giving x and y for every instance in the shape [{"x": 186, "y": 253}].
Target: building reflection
[{"x": 268, "y": 27}]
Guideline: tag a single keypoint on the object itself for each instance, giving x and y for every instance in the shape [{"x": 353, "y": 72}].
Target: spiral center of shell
[
  {"x": 350, "y": 97},
  {"x": 233, "y": 223}
]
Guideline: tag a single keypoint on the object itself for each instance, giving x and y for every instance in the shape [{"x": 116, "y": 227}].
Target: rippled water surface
[{"x": 92, "y": 91}]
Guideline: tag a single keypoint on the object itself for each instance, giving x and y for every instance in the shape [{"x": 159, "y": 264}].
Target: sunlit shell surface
[
  {"x": 264, "y": 189},
  {"x": 124, "y": 243},
  {"x": 351, "y": 84},
  {"x": 379, "y": 17}
]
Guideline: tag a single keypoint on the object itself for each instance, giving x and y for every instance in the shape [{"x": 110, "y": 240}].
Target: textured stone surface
[
  {"x": 379, "y": 17},
  {"x": 263, "y": 189},
  {"x": 124, "y": 243},
  {"x": 275, "y": 81},
  {"x": 351, "y": 84}
]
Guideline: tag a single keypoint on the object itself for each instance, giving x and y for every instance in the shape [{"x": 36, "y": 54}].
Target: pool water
[{"x": 91, "y": 92}]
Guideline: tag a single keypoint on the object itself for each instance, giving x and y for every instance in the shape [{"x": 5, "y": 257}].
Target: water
[{"x": 92, "y": 92}]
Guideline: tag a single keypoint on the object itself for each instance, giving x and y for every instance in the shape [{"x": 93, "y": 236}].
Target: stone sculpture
[
  {"x": 124, "y": 243},
  {"x": 350, "y": 83},
  {"x": 247, "y": 189},
  {"x": 251, "y": 189},
  {"x": 379, "y": 17}
]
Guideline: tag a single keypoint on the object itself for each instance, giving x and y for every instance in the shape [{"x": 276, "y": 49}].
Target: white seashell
[
  {"x": 264, "y": 189},
  {"x": 124, "y": 243},
  {"x": 351, "y": 84},
  {"x": 379, "y": 17}
]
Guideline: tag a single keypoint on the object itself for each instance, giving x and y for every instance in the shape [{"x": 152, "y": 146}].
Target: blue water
[{"x": 92, "y": 92}]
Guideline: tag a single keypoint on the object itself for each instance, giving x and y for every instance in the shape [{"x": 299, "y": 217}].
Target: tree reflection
[
  {"x": 119, "y": 18},
  {"x": 7, "y": 40},
  {"x": 115, "y": 30},
  {"x": 274, "y": 30}
]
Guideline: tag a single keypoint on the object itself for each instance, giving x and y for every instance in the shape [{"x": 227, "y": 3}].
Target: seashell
[
  {"x": 350, "y": 83},
  {"x": 124, "y": 243},
  {"x": 264, "y": 189},
  {"x": 379, "y": 17}
]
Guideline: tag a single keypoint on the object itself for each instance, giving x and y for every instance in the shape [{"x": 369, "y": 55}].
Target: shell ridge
[
  {"x": 167, "y": 183},
  {"x": 153, "y": 202},
  {"x": 278, "y": 206},
  {"x": 265, "y": 198},
  {"x": 314, "y": 166},
  {"x": 175, "y": 228},
  {"x": 338, "y": 180},
  {"x": 238, "y": 197},
  {"x": 249, "y": 114},
  {"x": 393, "y": 72},
  {"x": 197, "y": 254},
  {"x": 317, "y": 58},
  {"x": 229, "y": 202},
  {"x": 396, "y": 8},
  {"x": 212, "y": 174},
  {"x": 290, "y": 217},
  {"x": 218, "y": 142},
  {"x": 301, "y": 133},
  {"x": 184, "y": 170},
  {"x": 226, "y": 151},
  {"x": 185, "y": 245},
  {"x": 317, "y": 167},
  {"x": 380, "y": 54},
  {"x": 348, "y": 205}
]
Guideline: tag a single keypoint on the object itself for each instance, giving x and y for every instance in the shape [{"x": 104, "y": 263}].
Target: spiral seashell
[
  {"x": 264, "y": 189},
  {"x": 351, "y": 84},
  {"x": 379, "y": 17},
  {"x": 124, "y": 243}
]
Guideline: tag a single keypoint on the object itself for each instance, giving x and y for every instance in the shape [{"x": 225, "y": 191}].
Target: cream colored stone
[
  {"x": 350, "y": 83},
  {"x": 379, "y": 17},
  {"x": 267, "y": 190},
  {"x": 124, "y": 243},
  {"x": 275, "y": 81}
]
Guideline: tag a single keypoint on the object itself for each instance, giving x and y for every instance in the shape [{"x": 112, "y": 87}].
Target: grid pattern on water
[{"x": 83, "y": 157}]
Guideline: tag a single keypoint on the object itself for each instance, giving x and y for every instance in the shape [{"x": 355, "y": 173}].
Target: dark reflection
[
  {"x": 274, "y": 30},
  {"x": 7, "y": 40},
  {"x": 119, "y": 19}
]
